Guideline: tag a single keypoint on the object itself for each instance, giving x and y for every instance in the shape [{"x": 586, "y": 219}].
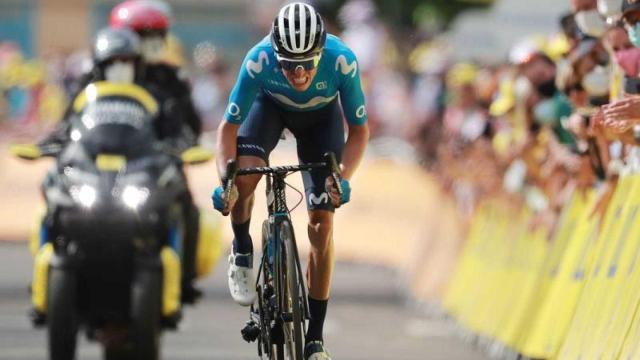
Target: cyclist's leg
[
  {"x": 323, "y": 132},
  {"x": 257, "y": 137},
  {"x": 319, "y": 270}
]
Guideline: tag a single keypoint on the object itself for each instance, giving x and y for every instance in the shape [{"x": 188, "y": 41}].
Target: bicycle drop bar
[
  {"x": 279, "y": 169},
  {"x": 330, "y": 159},
  {"x": 232, "y": 169},
  {"x": 329, "y": 163}
]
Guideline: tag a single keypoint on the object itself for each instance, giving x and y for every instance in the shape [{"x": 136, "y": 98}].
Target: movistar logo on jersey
[
  {"x": 317, "y": 200},
  {"x": 278, "y": 83},
  {"x": 346, "y": 68},
  {"x": 254, "y": 68}
]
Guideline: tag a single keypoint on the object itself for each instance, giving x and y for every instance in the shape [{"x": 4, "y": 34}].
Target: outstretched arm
[{"x": 226, "y": 145}]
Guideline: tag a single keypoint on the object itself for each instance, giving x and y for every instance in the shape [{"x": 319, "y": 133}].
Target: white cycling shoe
[
  {"x": 242, "y": 280},
  {"x": 315, "y": 351}
]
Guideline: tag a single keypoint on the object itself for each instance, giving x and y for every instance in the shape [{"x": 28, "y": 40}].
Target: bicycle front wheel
[{"x": 292, "y": 302}]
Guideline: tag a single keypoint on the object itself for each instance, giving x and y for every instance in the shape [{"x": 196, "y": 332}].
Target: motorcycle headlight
[
  {"x": 134, "y": 196},
  {"x": 84, "y": 194}
]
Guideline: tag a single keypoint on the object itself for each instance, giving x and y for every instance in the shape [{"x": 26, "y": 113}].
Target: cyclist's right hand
[{"x": 220, "y": 202}]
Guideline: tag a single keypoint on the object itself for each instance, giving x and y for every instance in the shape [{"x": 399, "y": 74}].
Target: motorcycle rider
[
  {"x": 151, "y": 20},
  {"x": 116, "y": 58}
]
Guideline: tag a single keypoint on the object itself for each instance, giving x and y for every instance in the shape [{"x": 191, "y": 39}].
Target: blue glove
[
  {"x": 216, "y": 198},
  {"x": 346, "y": 191}
]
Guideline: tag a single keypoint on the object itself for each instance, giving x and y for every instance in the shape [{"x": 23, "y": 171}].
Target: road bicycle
[{"x": 278, "y": 320}]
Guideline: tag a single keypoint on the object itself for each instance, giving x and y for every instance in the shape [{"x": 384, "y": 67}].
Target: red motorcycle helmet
[{"x": 141, "y": 16}]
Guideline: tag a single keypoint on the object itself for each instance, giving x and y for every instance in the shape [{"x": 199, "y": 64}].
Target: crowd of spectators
[
  {"x": 33, "y": 94},
  {"x": 560, "y": 115}
]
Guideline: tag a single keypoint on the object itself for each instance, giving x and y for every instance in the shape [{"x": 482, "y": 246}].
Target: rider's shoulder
[
  {"x": 261, "y": 49},
  {"x": 338, "y": 53},
  {"x": 336, "y": 49}
]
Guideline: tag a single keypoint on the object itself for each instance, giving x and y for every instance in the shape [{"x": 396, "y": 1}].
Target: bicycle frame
[{"x": 278, "y": 213}]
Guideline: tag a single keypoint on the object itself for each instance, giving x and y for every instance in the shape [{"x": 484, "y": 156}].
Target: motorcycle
[{"x": 109, "y": 258}]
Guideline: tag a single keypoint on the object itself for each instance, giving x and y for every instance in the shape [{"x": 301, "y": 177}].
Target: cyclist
[
  {"x": 151, "y": 21},
  {"x": 180, "y": 125},
  {"x": 298, "y": 77}
]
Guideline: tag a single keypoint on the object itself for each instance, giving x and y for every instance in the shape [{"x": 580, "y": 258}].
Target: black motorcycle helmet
[{"x": 116, "y": 44}]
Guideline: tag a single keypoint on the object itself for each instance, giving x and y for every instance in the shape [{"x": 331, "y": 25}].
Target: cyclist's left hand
[{"x": 336, "y": 199}]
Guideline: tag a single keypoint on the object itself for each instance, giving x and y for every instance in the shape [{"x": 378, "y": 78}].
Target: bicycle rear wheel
[{"x": 291, "y": 301}]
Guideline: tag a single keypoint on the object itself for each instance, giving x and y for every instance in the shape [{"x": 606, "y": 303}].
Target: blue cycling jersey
[{"x": 337, "y": 74}]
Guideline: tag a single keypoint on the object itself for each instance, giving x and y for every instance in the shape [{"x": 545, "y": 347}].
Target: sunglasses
[{"x": 307, "y": 64}]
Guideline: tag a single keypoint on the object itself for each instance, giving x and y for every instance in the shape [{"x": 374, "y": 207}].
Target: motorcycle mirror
[
  {"x": 196, "y": 155},
  {"x": 26, "y": 151}
]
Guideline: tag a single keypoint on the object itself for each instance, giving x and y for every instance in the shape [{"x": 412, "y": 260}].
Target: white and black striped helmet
[{"x": 298, "y": 31}]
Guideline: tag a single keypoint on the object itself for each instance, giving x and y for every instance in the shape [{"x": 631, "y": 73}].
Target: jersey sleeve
[
  {"x": 247, "y": 86},
  {"x": 351, "y": 94}
]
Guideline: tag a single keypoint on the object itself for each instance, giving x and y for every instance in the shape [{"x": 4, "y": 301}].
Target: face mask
[
  {"x": 120, "y": 72},
  {"x": 545, "y": 112},
  {"x": 551, "y": 111},
  {"x": 629, "y": 61},
  {"x": 522, "y": 88},
  {"x": 634, "y": 34},
  {"x": 609, "y": 8},
  {"x": 591, "y": 23},
  {"x": 153, "y": 49},
  {"x": 596, "y": 82},
  {"x": 548, "y": 88}
]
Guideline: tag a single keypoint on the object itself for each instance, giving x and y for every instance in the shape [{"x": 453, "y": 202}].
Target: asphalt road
[{"x": 367, "y": 320}]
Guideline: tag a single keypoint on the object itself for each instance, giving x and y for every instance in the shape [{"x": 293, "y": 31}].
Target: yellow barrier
[
  {"x": 580, "y": 341},
  {"x": 548, "y": 271},
  {"x": 550, "y": 324},
  {"x": 571, "y": 298}
]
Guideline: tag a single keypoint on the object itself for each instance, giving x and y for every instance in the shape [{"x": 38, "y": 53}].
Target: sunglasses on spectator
[{"x": 307, "y": 64}]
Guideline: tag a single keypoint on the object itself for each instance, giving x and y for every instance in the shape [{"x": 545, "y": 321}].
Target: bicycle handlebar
[{"x": 329, "y": 162}]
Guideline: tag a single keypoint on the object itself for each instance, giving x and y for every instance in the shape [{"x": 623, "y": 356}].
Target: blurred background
[{"x": 481, "y": 114}]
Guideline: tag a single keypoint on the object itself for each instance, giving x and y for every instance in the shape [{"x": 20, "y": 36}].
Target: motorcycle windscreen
[{"x": 114, "y": 125}]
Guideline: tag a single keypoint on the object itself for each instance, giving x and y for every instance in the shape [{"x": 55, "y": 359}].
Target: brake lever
[
  {"x": 232, "y": 169},
  {"x": 332, "y": 164}
]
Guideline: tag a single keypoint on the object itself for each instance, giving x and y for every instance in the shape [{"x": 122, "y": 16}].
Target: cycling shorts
[{"x": 316, "y": 132}]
